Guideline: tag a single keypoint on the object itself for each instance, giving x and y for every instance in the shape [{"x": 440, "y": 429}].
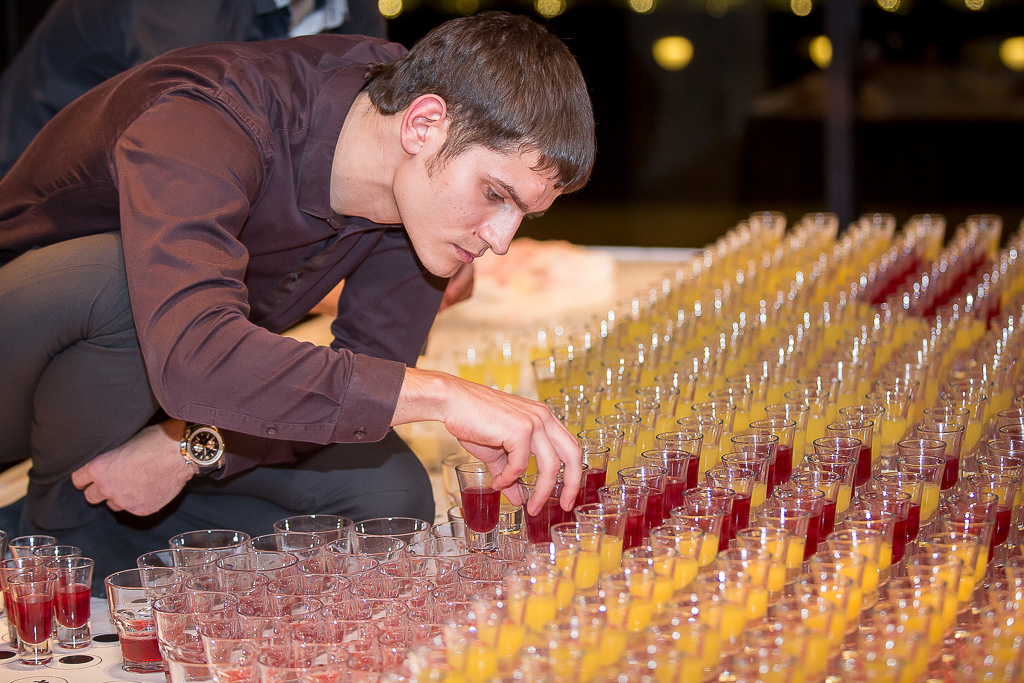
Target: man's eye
[{"x": 494, "y": 196}]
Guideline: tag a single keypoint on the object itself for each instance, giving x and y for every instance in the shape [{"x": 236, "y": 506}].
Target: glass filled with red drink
[
  {"x": 480, "y": 504},
  {"x": 72, "y": 592},
  {"x": 32, "y": 602}
]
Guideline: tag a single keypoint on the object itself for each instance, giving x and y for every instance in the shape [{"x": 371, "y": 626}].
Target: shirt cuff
[{"x": 371, "y": 399}]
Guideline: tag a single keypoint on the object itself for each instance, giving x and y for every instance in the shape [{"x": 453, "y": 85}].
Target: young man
[{"x": 164, "y": 228}]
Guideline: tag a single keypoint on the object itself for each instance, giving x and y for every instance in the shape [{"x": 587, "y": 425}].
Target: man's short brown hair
[{"x": 509, "y": 85}]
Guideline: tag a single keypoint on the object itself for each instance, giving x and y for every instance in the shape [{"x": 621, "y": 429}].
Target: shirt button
[
  {"x": 296, "y": 277},
  {"x": 271, "y": 431},
  {"x": 360, "y": 434}
]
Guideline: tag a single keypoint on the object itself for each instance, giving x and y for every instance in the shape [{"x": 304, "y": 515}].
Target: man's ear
[{"x": 424, "y": 124}]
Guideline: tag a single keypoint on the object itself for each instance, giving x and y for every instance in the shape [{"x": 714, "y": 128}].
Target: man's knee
[{"x": 400, "y": 489}]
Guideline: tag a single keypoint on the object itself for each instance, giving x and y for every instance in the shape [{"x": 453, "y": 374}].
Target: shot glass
[
  {"x": 328, "y": 527},
  {"x": 9, "y": 568},
  {"x": 926, "y": 457},
  {"x": 223, "y": 541},
  {"x": 72, "y": 593},
  {"x": 634, "y": 498},
  {"x": 26, "y": 546},
  {"x": 538, "y": 527},
  {"x": 857, "y": 429},
  {"x": 408, "y": 529},
  {"x": 611, "y": 519},
  {"x": 129, "y": 595},
  {"x": 480, "y": 503},
  {"x": 32, "y": 593}
]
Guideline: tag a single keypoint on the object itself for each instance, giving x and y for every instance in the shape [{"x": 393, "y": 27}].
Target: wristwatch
[{"x": 202, "y": 446}]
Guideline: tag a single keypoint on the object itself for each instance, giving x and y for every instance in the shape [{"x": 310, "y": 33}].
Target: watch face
[{"x": 204, "y": 445}]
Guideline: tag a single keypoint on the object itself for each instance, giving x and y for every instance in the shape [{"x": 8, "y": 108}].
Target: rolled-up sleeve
[{"x": 187, "y": 173}]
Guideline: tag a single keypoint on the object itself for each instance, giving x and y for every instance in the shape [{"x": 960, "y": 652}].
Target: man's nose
[{"x": 499, "y": 231}]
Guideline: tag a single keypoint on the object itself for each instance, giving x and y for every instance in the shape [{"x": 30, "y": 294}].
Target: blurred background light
[
  {"x": 1011, "y": 52},
  {"x": 820, "y": 50},
  {"x": 672, "y": 53}
]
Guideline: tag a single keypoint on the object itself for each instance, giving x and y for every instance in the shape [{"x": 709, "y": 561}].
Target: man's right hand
[{"x": 500, "y": 429}]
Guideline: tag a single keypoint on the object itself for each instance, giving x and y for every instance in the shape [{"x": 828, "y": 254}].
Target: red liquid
[
  {"x": 913, "y": 522},
  {"x": 783, "y": 465},
  {"x": 655, "y": 514},
  {"x": 72, "y": 605},
  {"x": 675, "y": 489},
  {"x": 863, "y": 474},
  {"x": 828, "y": 519},
  {"x": 899, "y": 540},
  {"x": 480, "y": 508},
  {"x": 950, "y": 474},
  {"x": 35, "y": 618},
  {"x": 740, "y": 514},
  {"x": 692, "y": 472},
  {"x": 1002, "y": 530},
  {"x": 595, "y": 480},
  {"x": 813, "y": 526},
  {"x": 538, "y": 527},
  {"x": 143, "y": 649},
  {"x": 771, "y": 478},
  {"x": 634, "y": 535}
]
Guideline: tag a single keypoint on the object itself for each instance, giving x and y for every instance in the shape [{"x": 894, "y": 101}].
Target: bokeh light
[
  {"x": 672, "y": 53},
  {"x": 820, "y": 50},
  {"x": 801, "y": 8},
  {"x": 390, "y": 8},
  {"x": 549, "y": 8},
  {"x": 889, "y": 5},
  {"x": 1011, "y": 52},
  {"x": 641, "y": 6},
  {"x": 975, "y": 5}
]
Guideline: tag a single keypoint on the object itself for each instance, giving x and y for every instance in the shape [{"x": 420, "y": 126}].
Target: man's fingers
[
  {"x": 114, "y": 506},
  {"x": 568, "y": 453},
  {"x": 93, "y": 495},
  {"x": 81, "y": 477}
]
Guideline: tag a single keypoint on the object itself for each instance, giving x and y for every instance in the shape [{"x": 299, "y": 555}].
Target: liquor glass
[
  {"x": 654, "y": 479},
  {"x": 222, "y": 541},
  {"x": 72, "y": 593},
  {"x": 764, "y": 445},
  {"x": 130, "y": 594},
  {"x": 32, "y": 594},
  {"x": 596, "y": 459},
  {"x": 713, "y": 500},
  {"x": 407, "y": 529},
  {"x": 974, "y": 524},
  {"x": 948, "y": 568},
  {"x": 785, "y": 430},
  {"x": 183, "y": 670},
  {"x": 851, "y": 564},
  {"x": 191, "y": 561},
  {"x": 26, "y": 546},
  {"x": 327, "y": 527},
  {"x": 611, "y": 519},
  {"x": 925, "y": 457},
  {"x": 538, "y": 526},
  {"x": 661, "y": 559},
  {"x": 52, "y": 551},
  {"x": 681, "y": 471},
  {"x": 757, "y": 463},
  {"x": 302, "y": 545},
  {"x": 810, "y": 500},
  {"x": 755, "y": 563},
  {"x": 707, "y": 429},
  {"x": 828, "y": 483},
  {"x": 952, "y": 435},
  {"x": 775, "y": 542},
  {"x": 709, "y": 524},
  {"x": 838, "y": 454},
  {"x": 480, "y": 502},
  {"x": 857, "y": 429},
  {"x": 634, "y": 498},
  {"x": 631, "y": 428},
  {"x": 1004, "y": 487},
  {"x": 879, "y": 520},
  {"x": 912, "y": 484},
  {"x": 794, "y": 520},
  {"x": 9, "y": 568},
  {"x": 741, "y": 481},
  {"x": 897, "y": 504},
  {"x": 968, "y": 548},
  {"x": 687, "y": 546},
  {"x": 874, "y": 413},
  {"x": 601, "y": 437},
  {"x": 798, "y": 413}
]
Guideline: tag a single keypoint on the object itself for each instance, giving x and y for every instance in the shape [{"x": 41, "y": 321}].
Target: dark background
[{"x": 684, "y": 155}]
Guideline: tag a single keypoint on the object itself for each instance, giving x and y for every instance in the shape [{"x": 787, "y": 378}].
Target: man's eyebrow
[{"x": 515, "y": 198}]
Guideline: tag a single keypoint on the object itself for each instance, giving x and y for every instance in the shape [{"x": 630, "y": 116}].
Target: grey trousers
[{"x": 73, "y": 385}]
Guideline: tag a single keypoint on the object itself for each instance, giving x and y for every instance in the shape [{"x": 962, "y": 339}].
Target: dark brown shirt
[{"x": 214, "y": 163}]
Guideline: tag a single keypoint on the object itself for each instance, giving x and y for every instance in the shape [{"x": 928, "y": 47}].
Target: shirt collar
[{"x": 332, "y": 106}]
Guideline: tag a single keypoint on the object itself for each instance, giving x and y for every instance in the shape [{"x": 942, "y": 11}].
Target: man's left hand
[{"x": 140, "y": 476}]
